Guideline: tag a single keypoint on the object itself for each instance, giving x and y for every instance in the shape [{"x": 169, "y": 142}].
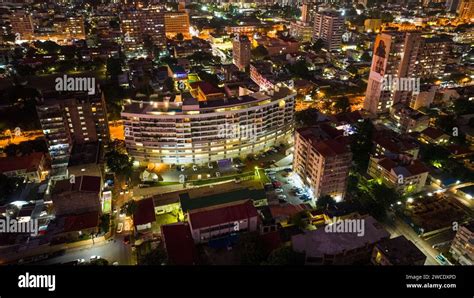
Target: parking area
[{"x": 286, "y": 187}]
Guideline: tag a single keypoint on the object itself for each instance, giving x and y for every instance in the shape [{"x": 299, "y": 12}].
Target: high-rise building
[
  {"x": 138, "y": 25},
  {"x": 22, "y": 25},
  {"x": 71, "y": 118},
  {"x": 302, "y": 30},
  {"x": 329, "y": 27},
  {"x": 199, "y": 132},
  {"x": 394, "y": 56},
  {"x": 177, "y": 22},
  {"x": 432, "y": 56},
  {"x": 241, "y": 51},
  {"x": 322, "y": 163},
  {"x": 466, "y": 11},
  {"x": 462, "y": 248},
  {"x": 452, "y": 5},
  {"x": 305, "y": 12}
]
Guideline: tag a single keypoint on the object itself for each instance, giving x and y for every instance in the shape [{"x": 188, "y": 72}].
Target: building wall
[
  {"x": 462, "y": 248},
  {"x": 194, "y": 137},
  {"x": 324, "y": 175},
  {"x": 205, "y": 234}
]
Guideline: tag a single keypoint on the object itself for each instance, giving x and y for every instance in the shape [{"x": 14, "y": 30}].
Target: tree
[
  {"x": 299, "y": 219},
  {"x": 285, "y": 255},
  {"x": 299, "y": 68},
  {"x": 366, "y": 57},
  {"x": 104, "y": 224},
  {"x": 307, "y": 117},
  {"x": 129, "y": 208},
  {"x": 8, "y": 185},
  {"x": 180, "y": 36},
  {"x": 168, "y": 84},
  {"x": 119, "y": 163},
  {"x": 157, "y": 256},
  {"x": 361, "y": 145},
  {"x": 325, "y": 201},
  {"x": 251, "y": 250},
  {"x": 259, "y": 52},
  {"x": 317, "y": 45},
  {"x": 114, "y": 68},
  {"x": 342, "y": 105}
]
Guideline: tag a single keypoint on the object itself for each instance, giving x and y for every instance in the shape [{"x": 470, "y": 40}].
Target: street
[{"x": 111, "y": 251}]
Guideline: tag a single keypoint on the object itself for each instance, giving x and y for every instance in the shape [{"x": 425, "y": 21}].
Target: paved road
[
  {"x": 399, "y": 227},
  {"x": 111, "y": 251}
]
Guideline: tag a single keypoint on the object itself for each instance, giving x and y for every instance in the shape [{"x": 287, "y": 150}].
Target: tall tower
[
  {"x": 241, "y": 52},
  {"x": 329, "y": 27},
  {"x": 466, "y": 11},
  {"x": 395, "y": 55}
]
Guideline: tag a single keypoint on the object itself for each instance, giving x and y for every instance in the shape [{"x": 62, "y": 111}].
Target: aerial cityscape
[{"x": 235, "y": 132}]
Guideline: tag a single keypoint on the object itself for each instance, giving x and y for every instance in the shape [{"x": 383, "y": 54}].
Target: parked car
[
  {"x": 282, "y": 197},
  {"x": 278, "y": 190}
]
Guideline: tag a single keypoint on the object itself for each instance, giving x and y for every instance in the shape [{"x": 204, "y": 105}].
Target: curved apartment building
[{"x": 191, "y": 131}]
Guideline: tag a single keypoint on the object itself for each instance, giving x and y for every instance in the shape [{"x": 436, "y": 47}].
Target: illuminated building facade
[
  {"x": 322, "y": 163},
  {"x": 192, "y": 131}
]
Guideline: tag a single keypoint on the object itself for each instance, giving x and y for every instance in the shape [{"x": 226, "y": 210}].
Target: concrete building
[
  {"x": 397, "y": 251},
  {"x": 222, "y": 220},
  {"x": 329, "y": 27},
  {"x": 340, "y": 248},
  {"x": 22, "y": 25},
  {"x": 466, "y": 11},
  {"x": 394, "y": 58},
  {"x": 241, "y": 52},
  {"x": 406, "y": 176},
  {"x": 432, "y": 56},
  {"x": 322, "y": 164},
  {"x": 138, "y": 25},
  {"x": 301, "y": 31},
  {"x": 192, "y": 131},
  {"x": 177, "y": 22},
  {"x": 32, "y": 167},
  {"x": 462, "y": 248},
  {"x": 72, "y": 117},
  {"x": 77, "y": 195}
]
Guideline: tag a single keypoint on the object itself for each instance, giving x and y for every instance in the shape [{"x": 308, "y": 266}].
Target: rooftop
[
  {"x": 221, "y": 215},
  {"x": 145, "y": 212},
  {"x": 29, "y": 162},
  {"x": 189, "y": 204},
  {"x": 317, "y": 243},
  {"x": 179, "y": 244},
  {"x": 400, "y": 251},
  {"x": 81, "y": 183}
]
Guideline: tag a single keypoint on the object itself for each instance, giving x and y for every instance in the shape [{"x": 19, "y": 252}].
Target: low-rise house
[
  {"x": 462, "y": 248},
  {"x": 32, "y": 167},
  {"x": 397, "y": 251},
  {"x": 144, "y": 215},
  {"x": 433, "y": 135},
  {"x": 222, "y": 220},
  {"x": 76, "y": 196},
  {"x": 179, "y": 244},
  {"x": 322, "y": 247},
  {"x": 406, "y": 176}
]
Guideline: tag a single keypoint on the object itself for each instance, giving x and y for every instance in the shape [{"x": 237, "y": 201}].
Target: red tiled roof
[
  {"x": 179, "y": 244},
  {"x": 417, "y": 167},
  {"x": 81, "y": 183},
  {"x": 216, "y": 216},
  {"x": 285, "y": 210},
  {"x": 387, "y": 164},
  {"x": 145, "y": 212},
  {"x": 81, "y": 222},
  {"x": 330, "y": 148},
  {"x": 208, "y": 88},
  {"x": 29, "y": 162},
  {"x": 433, "y": 132},
  {"x": 271, "y": 240}
]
